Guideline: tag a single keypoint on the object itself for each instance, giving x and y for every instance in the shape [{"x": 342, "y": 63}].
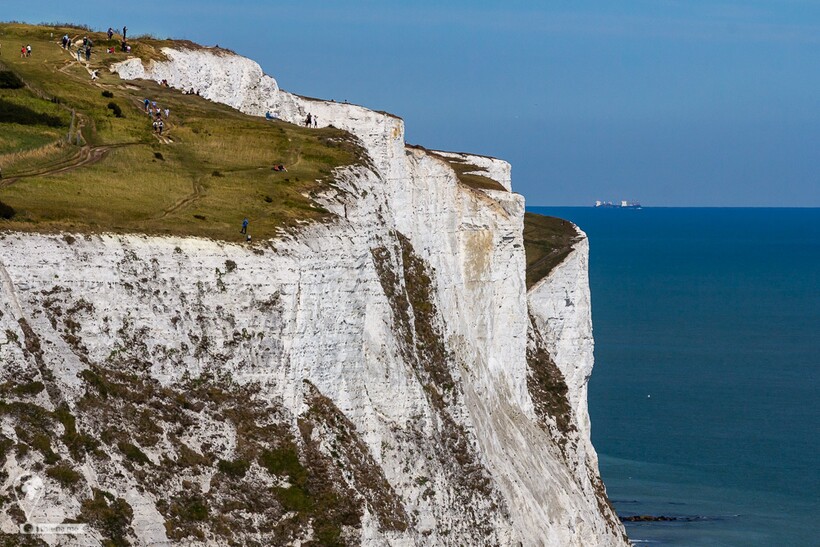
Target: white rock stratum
[{"x": 396, "y": 350}]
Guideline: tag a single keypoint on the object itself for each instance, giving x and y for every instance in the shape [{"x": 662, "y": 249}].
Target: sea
[{"x": 704, "y": 395}]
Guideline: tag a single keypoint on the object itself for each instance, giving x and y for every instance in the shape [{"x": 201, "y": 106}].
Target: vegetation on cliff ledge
[
  {"x": 80, "y": 155},
  {"x": 547, "y": 242}
]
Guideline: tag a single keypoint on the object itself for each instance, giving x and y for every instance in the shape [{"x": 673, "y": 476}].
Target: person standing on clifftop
[
  {"x": 124, "y": 32},
  {"x": 244, "y": 229}
]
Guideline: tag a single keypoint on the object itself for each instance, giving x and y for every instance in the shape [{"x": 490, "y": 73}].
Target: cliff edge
[{"x": 380, "y": 376}]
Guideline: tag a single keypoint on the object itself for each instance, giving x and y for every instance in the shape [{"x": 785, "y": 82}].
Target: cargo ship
[{"x": 623, "y": 205}]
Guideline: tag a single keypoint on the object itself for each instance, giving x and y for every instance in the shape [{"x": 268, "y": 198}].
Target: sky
[{"x": 667, "y": 102}]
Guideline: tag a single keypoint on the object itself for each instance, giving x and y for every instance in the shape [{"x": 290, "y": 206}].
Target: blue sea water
[{"x": 704, "y": 396}]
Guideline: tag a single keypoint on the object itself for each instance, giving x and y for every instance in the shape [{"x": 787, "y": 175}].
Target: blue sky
[{"x": 668, "y": 102}]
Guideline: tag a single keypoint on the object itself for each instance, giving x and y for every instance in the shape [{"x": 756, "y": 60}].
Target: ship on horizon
[{"x": 625, "y": 204}]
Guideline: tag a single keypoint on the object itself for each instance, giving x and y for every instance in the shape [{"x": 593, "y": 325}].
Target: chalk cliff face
[{"x": 384, "y": 378}]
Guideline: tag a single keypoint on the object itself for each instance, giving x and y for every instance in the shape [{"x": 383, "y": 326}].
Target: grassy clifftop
[{"x": 80, "y": 155}]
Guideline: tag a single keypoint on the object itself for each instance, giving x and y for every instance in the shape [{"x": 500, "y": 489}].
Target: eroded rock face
[{"x": 382, "y": 378}]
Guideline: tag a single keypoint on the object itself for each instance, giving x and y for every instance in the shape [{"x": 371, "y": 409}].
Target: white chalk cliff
[{"x": 396, "y": 346}]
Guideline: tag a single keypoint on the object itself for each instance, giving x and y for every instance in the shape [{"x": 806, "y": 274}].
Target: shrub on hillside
[
  {"x": 6, "y": 211},
  {"x": 107, "y": 94},
  {"x": 10, "y": 80},
  {"x": 115, "y": 108}
]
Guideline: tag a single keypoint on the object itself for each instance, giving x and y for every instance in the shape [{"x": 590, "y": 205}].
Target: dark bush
[
  {"x": 132, "y": 453},
  {"x": 115, "y": 108},
  {"x": 217, "y": 174},
  {"x": 107, "y": 94},
  {"x": 10, "y": 80},
  {"x": 31, "y": 388},
  {"x": 64, "y": 474},
  {"x": 6, "y": 211},
  {"x": 159, "y": 156},
  {"x": 236, "y": 468},
  {"x": 111, "y": 515},
  {"x": 190, "y": 509}
]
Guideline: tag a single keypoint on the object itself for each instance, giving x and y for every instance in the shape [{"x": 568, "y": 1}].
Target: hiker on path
[
  {"x": 308, "y": 121},
  {"x": 28, "y": 50},
  {"x": 22, "y": 52},
  {"x": 146, "y": 102},
  {"x": 110, "y": 33},
  {"x": 167, "y": 113},
  {"x": 315, "y": 121},
  {"x": 87, "y": 53},
  {"x": 244, "y": 229},
  {"x": 93, "y": 75},
  {"x": 161, "y": 125},
  {"x": 124, "y": 31}
]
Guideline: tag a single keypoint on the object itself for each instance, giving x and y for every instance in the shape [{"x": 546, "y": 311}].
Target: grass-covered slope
[
  {"x": 69, "y": 162},
  {"x": 547, "y": 241}
]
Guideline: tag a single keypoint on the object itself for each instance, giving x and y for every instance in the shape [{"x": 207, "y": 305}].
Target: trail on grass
[
  {"x": 87, "y": 155},
  {"x": 187, "y": 200}
]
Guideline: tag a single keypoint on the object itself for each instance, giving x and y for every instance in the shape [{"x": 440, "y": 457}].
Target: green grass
[
  {"x": 547, "y": 241},
  {"x": 469, "y": 174},
  {"x": 14, "y": 137},
  {"x": 29, "y": 126},
  {"x": 132, "y": 189}
]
